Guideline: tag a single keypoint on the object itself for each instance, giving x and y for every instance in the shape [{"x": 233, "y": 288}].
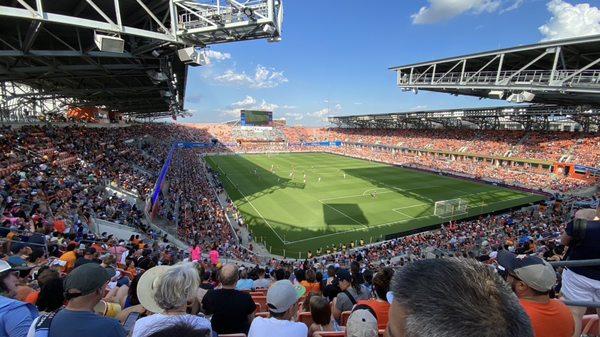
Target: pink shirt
[
  {"x": 117, "y": 251},
  {"x": 214, "y": 256},
  {"x": 196, "y": 254}
]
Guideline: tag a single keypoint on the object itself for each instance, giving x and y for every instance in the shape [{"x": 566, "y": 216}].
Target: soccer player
[{"x": 319, "y": 179}]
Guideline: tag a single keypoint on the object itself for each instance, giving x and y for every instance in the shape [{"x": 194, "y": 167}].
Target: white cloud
[
  {"x": 321, "y": 113},
  {"x": 325, "y": 112},
  {"x": 515, "y": 5},
  {"x": 295, "y": 115},
  {"x": 248, "y": 103},
  {"x": 570, "y": 20},
  {"x": 216, "y": 55},
  {"x": 442, "y": 10},
  {"x": 262, "y": 78}
]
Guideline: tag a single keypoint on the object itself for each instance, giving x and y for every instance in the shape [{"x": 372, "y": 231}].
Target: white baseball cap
[
  {"x": 361, "y": 323},
  {"x": 282, "y": 295}
]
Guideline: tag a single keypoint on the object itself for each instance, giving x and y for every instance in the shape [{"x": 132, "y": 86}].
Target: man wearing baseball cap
[
  {"x": 84, "y": 288},
  {"x": 282, "y": 300},
  {"x": 532, "y": 278}
]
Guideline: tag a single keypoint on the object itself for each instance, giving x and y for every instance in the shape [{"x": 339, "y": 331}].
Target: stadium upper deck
[
  {"x": 564, "y": 72},
  {"x": 129, "y": 57}
]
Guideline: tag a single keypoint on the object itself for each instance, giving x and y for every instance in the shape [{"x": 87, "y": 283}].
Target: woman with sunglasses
[{"x": 15, "y": 316}]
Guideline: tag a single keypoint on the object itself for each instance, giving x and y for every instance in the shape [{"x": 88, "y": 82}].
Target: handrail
[
  {"x": 576, "y": 263},
  {"x": 29, "y": 244}
]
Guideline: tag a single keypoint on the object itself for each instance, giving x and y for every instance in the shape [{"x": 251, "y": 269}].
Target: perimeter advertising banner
[{"x": 256, "y": 118}]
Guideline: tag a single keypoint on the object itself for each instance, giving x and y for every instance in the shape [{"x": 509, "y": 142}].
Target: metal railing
[
  {"x": 28, "y": 244},
  {"x": 589, "y": 77}
]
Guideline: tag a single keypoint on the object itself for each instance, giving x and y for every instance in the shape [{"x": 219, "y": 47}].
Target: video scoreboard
[{"x": 256, "y": 118}]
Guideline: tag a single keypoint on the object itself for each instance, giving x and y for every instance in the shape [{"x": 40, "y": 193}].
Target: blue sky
[{"x": 334, "y": 55}]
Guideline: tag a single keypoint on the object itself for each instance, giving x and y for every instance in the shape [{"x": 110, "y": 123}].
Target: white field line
[
  {"x": 406, "y": 215},
  {"x": 257, "y": 211},
  {"x": 346, "y": 215},
  {"x": 396, "y": 189},
  {"x": 380, "y": 225},
  {"x": 359, "y": 229}
]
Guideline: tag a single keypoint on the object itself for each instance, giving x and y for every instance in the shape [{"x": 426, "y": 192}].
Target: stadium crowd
[
  {"x": 524, "y": 176},
  {"x": 60, "y": 278},
  {"x": 549, "y": 146}
]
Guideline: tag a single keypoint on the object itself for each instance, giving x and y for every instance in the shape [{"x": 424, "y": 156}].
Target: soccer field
[{"x": 343, "y": 199}]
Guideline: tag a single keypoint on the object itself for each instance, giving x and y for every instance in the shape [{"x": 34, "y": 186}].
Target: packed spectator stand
[{"x": 57, "y": 180}]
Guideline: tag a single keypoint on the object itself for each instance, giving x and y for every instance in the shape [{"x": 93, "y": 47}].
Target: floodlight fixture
[
  {"x": 248, "y": 12},
  {"x": 269, "y": 29},
  {"x": 109, "y": 43}
]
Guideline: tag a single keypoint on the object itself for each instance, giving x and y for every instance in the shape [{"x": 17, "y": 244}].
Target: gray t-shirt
[{"x": 343, "y": 303}]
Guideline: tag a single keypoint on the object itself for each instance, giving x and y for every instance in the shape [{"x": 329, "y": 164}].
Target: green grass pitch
[{"x": 343, "y": 199}]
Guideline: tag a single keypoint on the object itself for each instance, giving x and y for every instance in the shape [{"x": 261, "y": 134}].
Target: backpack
[
  {"x": 579, "y": 229},
  {"x": 42, "y": 326}
]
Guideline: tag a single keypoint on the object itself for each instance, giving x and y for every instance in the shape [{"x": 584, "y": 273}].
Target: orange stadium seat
[
  {"x": 329, "y": 334},
  {"x": 306, "y": 318},
  {"x": 344, "y": 318},
  {"x": 262, "y": 301}
]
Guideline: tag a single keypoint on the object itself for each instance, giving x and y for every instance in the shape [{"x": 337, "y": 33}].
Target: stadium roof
[
  {"x": 565, "y": 72},
  {"x": 527, "y": 117},
  {"x": 49, "y": 50}
]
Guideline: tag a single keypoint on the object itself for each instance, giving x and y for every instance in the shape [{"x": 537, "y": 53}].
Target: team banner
[
  {"x": 336, "y": 143},
  {"x": 159, "y": 185}
]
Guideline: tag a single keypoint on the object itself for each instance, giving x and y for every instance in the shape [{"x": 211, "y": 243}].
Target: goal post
[{"x": 450, "y": 208}]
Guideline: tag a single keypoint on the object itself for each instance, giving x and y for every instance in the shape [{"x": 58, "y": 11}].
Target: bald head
[{"x": 229, "y": 275}]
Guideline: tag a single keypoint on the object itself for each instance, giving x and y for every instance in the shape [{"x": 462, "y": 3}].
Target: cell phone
[{"x": 130, "y": 322}]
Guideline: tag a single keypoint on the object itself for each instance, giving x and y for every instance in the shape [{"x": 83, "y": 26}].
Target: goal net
[{"x": 450, "y": 208}]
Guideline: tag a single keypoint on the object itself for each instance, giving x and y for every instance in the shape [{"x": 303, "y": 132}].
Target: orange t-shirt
[
  {"x": 10, "y": 235},
  {"x": 69, "y": 257},
  {"x": 23, "y": 292},
  {"x": 381, "y": 309},
  {"x": 98, "y": 248},
  {"x": 32, "y": 297},
  {"x": 311, "y": 287},
  {"x": 552, "y": 319},
  {"x": 60, "y": 226}
]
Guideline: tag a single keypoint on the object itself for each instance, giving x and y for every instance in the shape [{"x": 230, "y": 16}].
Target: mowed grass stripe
[{"x": 319, "y": 214}]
